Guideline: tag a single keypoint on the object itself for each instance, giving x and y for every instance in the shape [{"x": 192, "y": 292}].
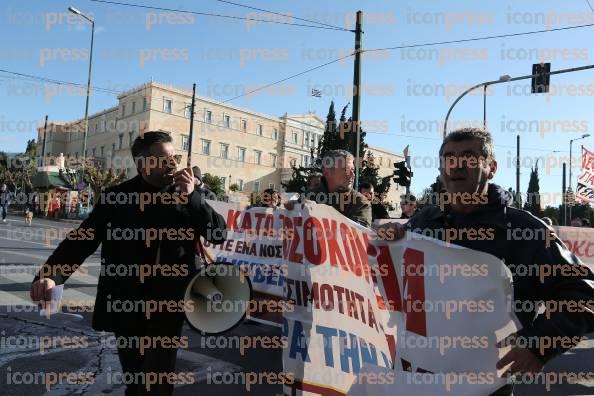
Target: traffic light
[
  {"x": 402, "y": 174},
  {"x": 540, "y": 83}
]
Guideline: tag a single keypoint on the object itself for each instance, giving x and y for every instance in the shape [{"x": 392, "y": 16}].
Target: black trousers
[{"x": 156, "y": 359}]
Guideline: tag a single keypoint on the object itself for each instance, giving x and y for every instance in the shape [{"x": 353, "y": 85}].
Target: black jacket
[
  {"x": 121, "y": 229},
  {"x": 516, "y": 250}
]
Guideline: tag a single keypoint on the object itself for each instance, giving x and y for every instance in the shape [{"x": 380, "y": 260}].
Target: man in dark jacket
[
  {"x": 336, "y": 188},
  {"x": 378, "y": 210},
  {"x": 148, "y": 228},
  {"x": 472, "y": 204}
]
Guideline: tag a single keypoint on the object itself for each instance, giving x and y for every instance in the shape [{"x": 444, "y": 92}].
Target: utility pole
[
  {"x": 518, "y": 172},
  {"x": 563, "y": 198},
  {"x": 190, "y": 138},
  {"x": 356, "y": 119},
  {"x": 44, "y": 141}
]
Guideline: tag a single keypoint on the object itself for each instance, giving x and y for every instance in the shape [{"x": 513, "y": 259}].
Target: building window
[
  {"x": 133, "y": 107},
  {"x": 144, "y": 104},
  {"x": 295, "y": 138},
  {"x": 273, "y": 160},
  {"x": 185, "y": 142},
  {"x": 102, "y": 151},
  {"x": 271, "y": 186},
  {"x": 227, "y": 120},
  {"x": 123, "y": 110},
  {"x": 259, "y": 129},
  {"x": 113, "y": 149},
  {"x": 205, "y": 146},
  {"x": 121, "y": 140},
  {"x": 306, "y": 139},
  {"x": 257, "y": 157},
  {"x": 241, "y": 154},
  {"x": 104, "y": 125},
  {"x": 243, "y": 125},
  {"x": 93, "y": 152},
  {"x": 188, "y": 110},
  {"x": 130, "y": 138},
  {"x": 256, "y": 186},
  {"x": 208, "y": 116},
  {"x": 223, "y": 181},
  {"x": 167, "y": 105},
  {"x": 224, "y": 150},
  {"x": 275, "y": 134},
  {"x": 240, "y": 184}
]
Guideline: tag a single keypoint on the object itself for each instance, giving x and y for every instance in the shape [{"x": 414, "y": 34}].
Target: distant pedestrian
[{"x": 4, "y": 201}]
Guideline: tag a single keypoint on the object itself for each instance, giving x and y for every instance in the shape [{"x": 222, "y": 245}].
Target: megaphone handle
[{"x": 201, "y": 253}]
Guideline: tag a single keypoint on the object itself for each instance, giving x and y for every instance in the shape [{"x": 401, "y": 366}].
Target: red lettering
[
  {"x": 415, "y": 286},
  {"x": 389, "y": 279},
  {"x": 311, "y": 227},
  {"x": 232, "y": 217},
  {"x": 334, "y": 252},
  {"x": 293, "y": 255}
]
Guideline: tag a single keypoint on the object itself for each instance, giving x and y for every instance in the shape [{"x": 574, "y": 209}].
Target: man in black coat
[
  {"x": 148, "y": 227},
  {"x": 473, "y": 205},
  {"x": 378, "y": 210}
]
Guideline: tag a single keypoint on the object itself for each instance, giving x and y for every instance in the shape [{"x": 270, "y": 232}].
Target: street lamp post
[
  {"x": 585, "y": 135},
  {"x": 84, "y": 149}
]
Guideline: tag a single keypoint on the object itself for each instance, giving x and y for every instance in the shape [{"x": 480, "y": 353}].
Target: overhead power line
[
  {"x": 24, "y": 76},
  {"x": 280, "y": 14},
  {"x": 479, "y": 38},
  {"x": 590, "y": 5},
  {"x": 217, "y": 15}
]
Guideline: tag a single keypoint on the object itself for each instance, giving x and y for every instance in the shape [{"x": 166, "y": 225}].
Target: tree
[
  {"x": 331, "y": 140},
  {"x": 553, "y": 213},
  {"x": 370, "y": 174},
  {"x": 532, "y": 204},
  {"x": 234, "y": 187},
  {"x": 214, "y": 184},
  {"x": 431, "y": 194},
  {"x": 98, "y": 179}
]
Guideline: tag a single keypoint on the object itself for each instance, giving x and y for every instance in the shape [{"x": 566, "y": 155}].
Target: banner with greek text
[
  {"x": 580, "y": 241},
  {"x": 446, "y": 305},
  {"x": 585, "y": 184},
  {"x": 254, "y": 243}
]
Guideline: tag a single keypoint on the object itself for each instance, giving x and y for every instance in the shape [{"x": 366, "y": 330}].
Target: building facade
[{"x": 251, "y": 150}]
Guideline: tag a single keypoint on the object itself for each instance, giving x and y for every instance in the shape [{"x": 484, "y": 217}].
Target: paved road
[{"x": 23, "y": 248}]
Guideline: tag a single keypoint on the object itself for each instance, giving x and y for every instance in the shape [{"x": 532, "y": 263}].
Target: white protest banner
[
  {"x": 585, "y": 184},
  {"x": 448, "y": 306},
  {"x": 580, "y": 241},
  {"x": 253, "y": 242},
  {"x": 337, "y": 324}
]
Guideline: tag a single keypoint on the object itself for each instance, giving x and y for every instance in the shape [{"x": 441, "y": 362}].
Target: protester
[
  {"x": 313, "y": 181},
  {"x": 547, "y": 221},
  {"x": 271, "y": 198},
  {"x": 467, "y": 164},
  {"x": 408, "y": 204},
  {"x": 336, "y": 188},
  {"x": 152, "y": 233},
  {"x": 378, "y": 210},
  {"x": 586, "y": 222},
  {"x": 4, "y": 201},
  {"x": 576, "y": 222}
]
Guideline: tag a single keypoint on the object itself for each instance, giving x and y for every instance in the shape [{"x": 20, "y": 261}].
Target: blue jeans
[{"x": 4, "y": 208}]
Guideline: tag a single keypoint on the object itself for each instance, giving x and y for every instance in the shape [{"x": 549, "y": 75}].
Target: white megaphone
[{"x": 218, "y": 297}]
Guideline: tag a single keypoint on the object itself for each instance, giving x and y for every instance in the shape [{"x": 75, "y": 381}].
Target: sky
[{"x": 406, "y": 93}]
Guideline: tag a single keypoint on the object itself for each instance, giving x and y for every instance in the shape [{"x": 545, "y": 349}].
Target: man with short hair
[
  {"x": 471, "y": 203},
  {"x": 408, "y": 204},
  {"x": 148, "y": 227},
  {"x": 378, "y": 210},
  {"x": 336, "y": 188}
]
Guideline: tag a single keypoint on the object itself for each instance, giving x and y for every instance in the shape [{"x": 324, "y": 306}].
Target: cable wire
[
  {"x": 280, "y": 14},
  {"x": 57, "y": 82},
  {"x": 215, "y": 15},
  {"x": 478, "y": 38}
]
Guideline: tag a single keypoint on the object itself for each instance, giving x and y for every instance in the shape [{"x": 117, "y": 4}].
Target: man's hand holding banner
[{"x": 373, "y": 317}]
